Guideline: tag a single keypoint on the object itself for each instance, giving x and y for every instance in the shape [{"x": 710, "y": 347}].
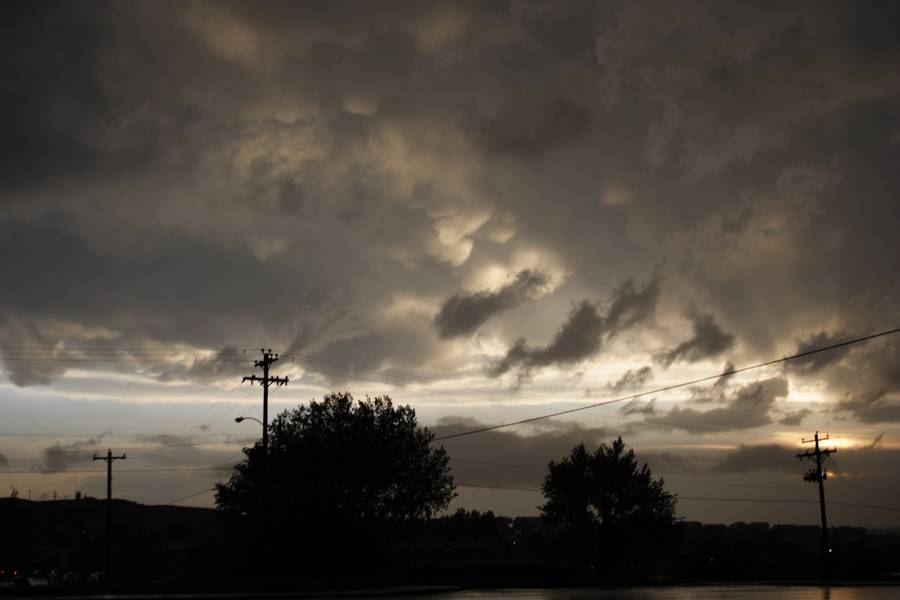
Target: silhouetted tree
[
  {"x": 613, "y": 509},
  {"x": 339, "y": 474}
]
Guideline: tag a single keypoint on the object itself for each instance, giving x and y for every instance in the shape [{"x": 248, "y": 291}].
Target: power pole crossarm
[
  {"x": 818, "y": 475},
  {"x": 109, "y": 458},
  {"x": 268, "y": 359}
]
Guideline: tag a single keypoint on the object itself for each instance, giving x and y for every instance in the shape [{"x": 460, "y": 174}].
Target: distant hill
[{"x": 148, "y": 541}]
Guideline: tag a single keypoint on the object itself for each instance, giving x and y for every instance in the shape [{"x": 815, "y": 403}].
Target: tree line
[{"x": 344, "y": 478}]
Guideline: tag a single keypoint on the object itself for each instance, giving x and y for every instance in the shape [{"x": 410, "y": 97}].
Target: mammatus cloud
[
  {"x": 463, "y": 314},
  {"x": 708, "y": 340},
  {"x": 581, "y": 336},
  {"x": 632, "y": 380},
  {"x": 61, "y": 457},
  {"x": 745, "y": 408}
]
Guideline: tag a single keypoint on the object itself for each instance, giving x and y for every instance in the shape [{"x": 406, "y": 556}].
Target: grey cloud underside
[
  {"x": 228, "y": 174},
  {"x": 794, "y": 418},
  {"x": 510, "y": 458},
  {"x": 860, "y": 462},
  {"x": 708, "y": 340},
  {"x": 746, "y": 407},
  {"x": 868, "y": 383},
  {"x": 503, "y": 457},
  {"x": 4, "y": 462},
  {"x": 632, "y": 380},
  {"x": 815, "y": 362},
  {"x": 463, "y": 314},
  {"x": 228, "y": 363},
  {"x": 581, "y": 336},
  {"x": 60, "y": 457},
  {"x": 639, "y": 406}
]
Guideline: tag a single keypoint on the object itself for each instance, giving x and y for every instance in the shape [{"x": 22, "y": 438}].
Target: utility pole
[
  {"x": 818, "y": 475},
  {"x": 109, "y": 458},
  {"x": 268, "y": 358}
]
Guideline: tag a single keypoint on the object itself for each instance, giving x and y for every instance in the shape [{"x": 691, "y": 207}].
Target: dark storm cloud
[
  {"x": 810, "y": 364},
  {"x": 581, "y": 336},
  {"x": 4, "y": 462},
  {"x": 639, "y": 406},
  {"x": 720, "y": 102},
  {"x": 745, "y": 408},
  {"x": 870, "y": 407},
  {"x": 769, "y": 457},
  {"x": 193, "y": 450},
  {"x": 199, "y": 173},
  {"x": 632, "y": 305},
  {"x": 708, "y": 340},
  {"x": 578, "y": 338},
  {"x": 796, "y": 417},
  {"x": 61, "y": 457},
  {"x": 855, "y": 465},
  {"x": 867, "y": 380},
  {"x": 508, "y": 458},
  {"x": 717, "y": 391},
  {"x": 523, "y": 130},
  {"x": 463, "y": 314},
  {"x": 229, "y": 362},
  {"x": 632, "y": 380}
]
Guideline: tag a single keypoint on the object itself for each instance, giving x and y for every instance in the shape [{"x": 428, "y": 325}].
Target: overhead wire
[
  {"x": 667, "y": 388},
  {"x": 727, "y": 372}
]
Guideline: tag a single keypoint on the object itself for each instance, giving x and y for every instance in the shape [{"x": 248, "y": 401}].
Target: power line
[
  {"x": 118, "y": 471},
  {"x": 226, "y": 442},
  {"x": 667, "y": 388},
  {"x": 189, "y": 496},
  {"x": 702, "y": 498}
]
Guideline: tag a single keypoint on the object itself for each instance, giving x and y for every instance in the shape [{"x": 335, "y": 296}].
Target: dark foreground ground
[
  {"x": 781, "y": 591},
  {"x": 53, "y": 548}
]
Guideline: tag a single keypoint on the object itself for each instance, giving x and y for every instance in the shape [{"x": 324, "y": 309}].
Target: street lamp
[{"x": 239, "y": 419}]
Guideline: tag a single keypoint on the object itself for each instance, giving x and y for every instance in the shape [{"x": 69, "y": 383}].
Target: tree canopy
[
  {"x": 340, "y": 469},
  {"x": 612, "y": 504}
]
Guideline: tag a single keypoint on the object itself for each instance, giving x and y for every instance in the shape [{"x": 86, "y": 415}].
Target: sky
[{"x": 485, "y": 210}]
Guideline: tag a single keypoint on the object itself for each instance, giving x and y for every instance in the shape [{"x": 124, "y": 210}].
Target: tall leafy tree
[
  {"x": 340, "y": 473},
  {"x": 610, "y": 506}
]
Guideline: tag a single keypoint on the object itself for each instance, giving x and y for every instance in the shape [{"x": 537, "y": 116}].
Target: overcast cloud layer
[{"x": 521, "y": 203}]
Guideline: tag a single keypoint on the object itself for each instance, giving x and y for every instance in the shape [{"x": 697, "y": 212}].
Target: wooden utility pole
[
  {"x": 818, "y": 475},
  {"x": 109, "y": 458},
  {"x": 268, "y": 358}
]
